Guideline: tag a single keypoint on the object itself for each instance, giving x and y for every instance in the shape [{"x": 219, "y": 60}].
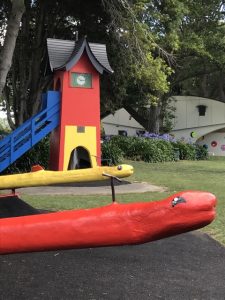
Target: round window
[{"x": 213, "y": 143}]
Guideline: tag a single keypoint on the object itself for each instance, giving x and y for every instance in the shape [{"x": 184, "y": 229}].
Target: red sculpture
[{"x": 111, "y": 225}]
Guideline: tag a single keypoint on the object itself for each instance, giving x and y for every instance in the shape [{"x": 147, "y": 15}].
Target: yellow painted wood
[
  {"x": 42, "y": 177},
  {"x": 74, "y": 139}
]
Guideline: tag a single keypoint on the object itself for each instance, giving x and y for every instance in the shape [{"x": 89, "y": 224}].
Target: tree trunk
[
  {"x": 221, "y": 93},
  {"x": 203, "y": 86},
  {"x": 154, "y": 119},
  {"x": 10, "y": 40},
  {"x": 30, "y": 63},
  {"x": 140, "y": 115},
  {"x": 149, "y": 118}
]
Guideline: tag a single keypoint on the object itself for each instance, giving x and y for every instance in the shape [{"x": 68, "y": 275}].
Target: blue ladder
[{"x": 32, "y": 131}]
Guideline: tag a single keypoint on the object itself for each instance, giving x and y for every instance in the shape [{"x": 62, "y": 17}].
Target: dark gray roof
[{"x": 64, "y": 54}]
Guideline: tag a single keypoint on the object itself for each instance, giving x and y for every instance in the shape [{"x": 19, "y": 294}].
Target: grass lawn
[{"x": 176, "y": 176}]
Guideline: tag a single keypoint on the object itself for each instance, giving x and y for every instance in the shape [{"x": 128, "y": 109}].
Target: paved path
[
  {"x": 187, "y": 267},
  {"x": 92, "y": 188}
]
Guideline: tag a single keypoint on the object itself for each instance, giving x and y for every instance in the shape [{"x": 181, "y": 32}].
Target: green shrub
[
  {"x": 136, "y": 148},
  {"x": 111, "y": 153},
  {"x": 150, "y": 150},
  {"x": 122, "y": 142},
  {"x": 187, "y": 151},
  {"x": 190, "y": 151},
  {"x": 201, "y": 152},
  {"x": 167, "y": 150}
]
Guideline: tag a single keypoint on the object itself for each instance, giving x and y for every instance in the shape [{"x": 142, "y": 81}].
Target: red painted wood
[
  {"x": 114, "y": 224},
  {"x": 79, "y": 107},
  {"x": 36, "y": 168},
  {"x": 3, "y": 196}
]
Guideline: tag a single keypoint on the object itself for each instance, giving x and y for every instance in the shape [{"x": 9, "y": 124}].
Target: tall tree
[
  {"x": 142, "y": 68},
  {"x": 201, "y": 59},
  {"x": 118, "y": 23},
  {"x": 12, "y": 30},
  {"x": 194, "y": 32},
  {"x": 163, "y": 19}
]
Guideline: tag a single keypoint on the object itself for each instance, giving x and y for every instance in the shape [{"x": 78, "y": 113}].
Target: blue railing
[{"x": 31, "y": 132}]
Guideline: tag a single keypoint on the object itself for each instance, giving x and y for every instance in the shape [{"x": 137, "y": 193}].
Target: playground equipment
[
  {"x": 77, "y": 68},
  {"x": 72, "y": 114},
  {"x": 111, "y": 225},
  {"x": 40, "y": 177}
]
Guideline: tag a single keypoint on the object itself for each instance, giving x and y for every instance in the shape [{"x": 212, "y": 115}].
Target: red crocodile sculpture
[{"x": 111, "y": 225}]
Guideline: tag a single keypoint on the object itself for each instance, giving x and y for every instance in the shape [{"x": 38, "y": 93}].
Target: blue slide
[{"x": 32, "y": 131}]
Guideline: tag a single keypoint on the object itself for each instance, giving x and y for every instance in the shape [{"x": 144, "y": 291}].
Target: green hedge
[
  {"x": 150, "y": 150},
  {"x": 111, "y": 153}
]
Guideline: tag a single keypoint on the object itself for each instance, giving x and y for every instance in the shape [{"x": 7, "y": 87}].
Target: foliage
[
  {"x": 141, "y": 72},
  {"x": 194, "y": 33},
  {"x": 200, "y": 59},
  {"x": 4, "y": 130},
  {"x": 201, "y": 153},
  {"x": 156, "y": 48},
  {"x": 111, "y": 154},
  {"x": 39, "y": 154},
  {"x": 189, "y": 151},
  {"x": 151, "y": 148},
  {"x": 146, "y": 149}
]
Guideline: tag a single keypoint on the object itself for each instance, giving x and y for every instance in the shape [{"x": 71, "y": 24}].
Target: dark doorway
[{"x": 79, "y": 159}]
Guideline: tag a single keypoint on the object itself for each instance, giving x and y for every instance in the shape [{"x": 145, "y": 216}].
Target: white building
[
  {"x": 197, "y": 119},
  {"x": 201, "y": 120},
  {"x": 121, "y": 123}
]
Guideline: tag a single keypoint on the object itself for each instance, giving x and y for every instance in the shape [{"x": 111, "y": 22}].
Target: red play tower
[{"x": 75, "y": 143}]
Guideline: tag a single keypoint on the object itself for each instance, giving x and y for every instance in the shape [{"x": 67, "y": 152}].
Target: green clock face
[{"x": 83, "y": 80}]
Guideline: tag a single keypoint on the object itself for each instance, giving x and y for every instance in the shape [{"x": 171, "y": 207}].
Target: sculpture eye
[
  {"x": 178, "y": 200},
  {"x": 119, "y": 168}
]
